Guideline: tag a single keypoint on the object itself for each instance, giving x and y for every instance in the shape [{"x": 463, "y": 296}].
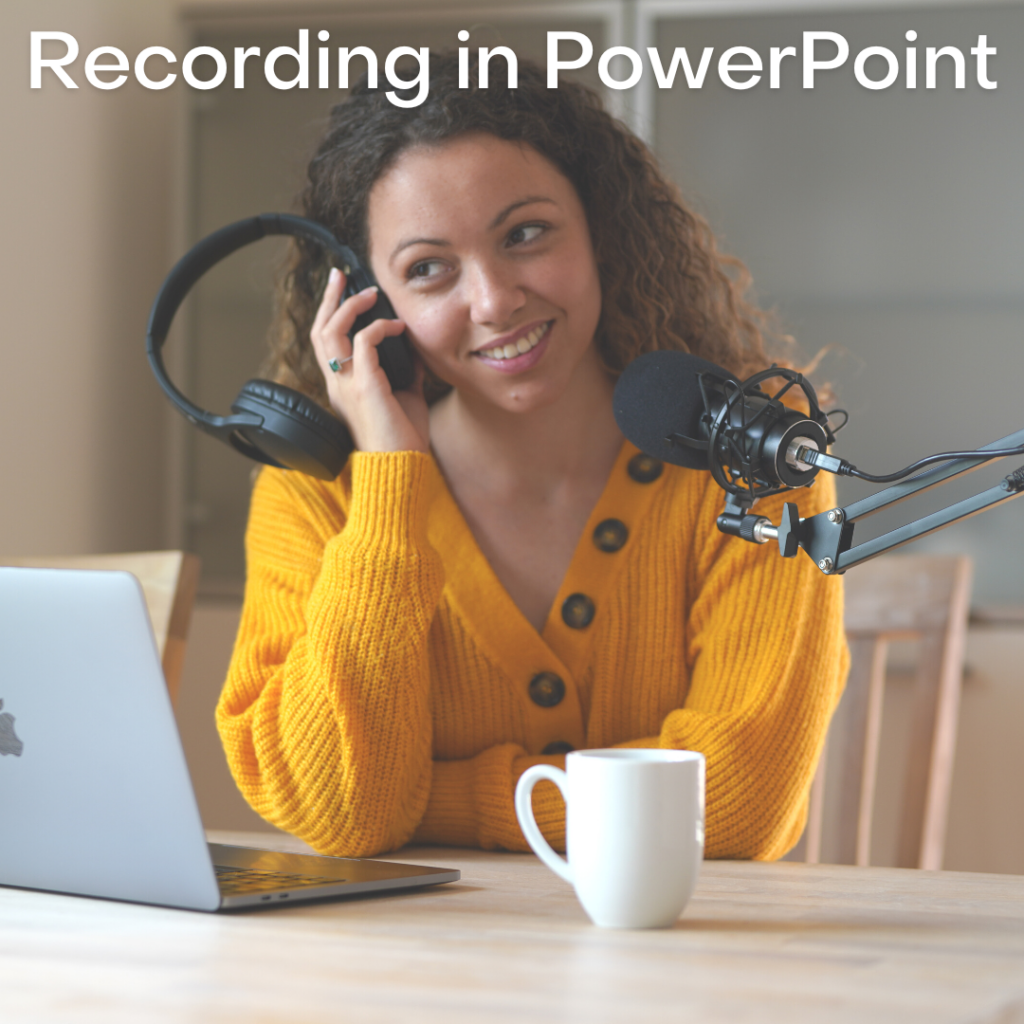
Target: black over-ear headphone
[{"x": 271, "y": 423}]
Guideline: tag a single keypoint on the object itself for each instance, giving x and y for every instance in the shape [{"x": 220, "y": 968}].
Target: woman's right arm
[{"x": 325, "y": 715}]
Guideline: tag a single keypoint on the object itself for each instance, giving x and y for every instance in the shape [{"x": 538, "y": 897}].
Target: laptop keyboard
[{"x": 238, "y": 881}]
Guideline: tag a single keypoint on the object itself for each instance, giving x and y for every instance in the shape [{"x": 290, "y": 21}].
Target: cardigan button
[
  {"x": 547, "y": 689},
  {"x": 644, "y": 469},
  {"x": 558, "y": 747},
  {"x": 611, "y": 535},
  {"x": 578, "y": 611}
]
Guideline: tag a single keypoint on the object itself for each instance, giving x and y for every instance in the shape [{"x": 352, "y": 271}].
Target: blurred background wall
[
  {"x": 886, "y": 225},
  {"x": 88, "y": 181}
]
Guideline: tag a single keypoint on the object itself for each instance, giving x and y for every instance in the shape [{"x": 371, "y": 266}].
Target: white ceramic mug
[{"x": 634, "y": 831}]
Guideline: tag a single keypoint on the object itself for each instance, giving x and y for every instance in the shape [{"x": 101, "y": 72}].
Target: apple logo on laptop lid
[{"x": 9, "y": 742}]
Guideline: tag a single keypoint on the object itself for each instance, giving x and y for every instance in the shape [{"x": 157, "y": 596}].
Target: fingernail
[
  {"x": 366, "y": 291},
  {"x": 333, "y": 275}
]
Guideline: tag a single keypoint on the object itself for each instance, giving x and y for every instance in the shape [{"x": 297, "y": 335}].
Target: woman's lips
[{"x": 514, "y": 357}]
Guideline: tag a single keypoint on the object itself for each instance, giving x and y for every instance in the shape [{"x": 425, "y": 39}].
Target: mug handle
[{"x": 527, "y": 822}]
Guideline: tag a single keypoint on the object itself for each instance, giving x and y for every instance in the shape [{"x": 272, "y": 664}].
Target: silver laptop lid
[{"x": 95, "y": 797}]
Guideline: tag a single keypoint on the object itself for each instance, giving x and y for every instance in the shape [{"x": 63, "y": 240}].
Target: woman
[{"x": 497, "y": 577}]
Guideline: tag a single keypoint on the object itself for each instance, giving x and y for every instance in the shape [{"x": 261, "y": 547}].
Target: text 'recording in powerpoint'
[{"x": 737, "y": 67}]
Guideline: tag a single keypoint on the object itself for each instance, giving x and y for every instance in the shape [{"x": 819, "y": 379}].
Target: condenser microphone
[
  {"x": 686, "y": 411},
  {"x": 690, "y": 412}
]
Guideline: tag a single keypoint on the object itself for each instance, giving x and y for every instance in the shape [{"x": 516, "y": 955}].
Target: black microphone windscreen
[{"x": 659, "y": 395}]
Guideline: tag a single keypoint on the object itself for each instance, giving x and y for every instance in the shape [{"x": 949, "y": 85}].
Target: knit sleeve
[
  {"x": 768, "y": 662},
  {"x": 325, "y": 715}
]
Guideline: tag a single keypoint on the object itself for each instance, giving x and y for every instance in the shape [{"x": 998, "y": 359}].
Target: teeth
[{"x": 511, "y": 350}]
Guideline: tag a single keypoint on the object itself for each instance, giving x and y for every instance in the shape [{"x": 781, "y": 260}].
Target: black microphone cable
[{"x": 840, "y": 467}]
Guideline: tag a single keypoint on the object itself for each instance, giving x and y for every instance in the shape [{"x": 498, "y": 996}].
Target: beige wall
[{"x": 86, "y": 178}]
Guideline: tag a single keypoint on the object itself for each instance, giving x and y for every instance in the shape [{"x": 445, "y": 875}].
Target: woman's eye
[
  {"x": 426, "y": 269},
  {"x": 524, "y": 233}
]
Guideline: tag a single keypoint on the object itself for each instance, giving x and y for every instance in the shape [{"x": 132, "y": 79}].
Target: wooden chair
[
  {"x": 897, "y": 597},
  {"x": 169, "y": 580}
]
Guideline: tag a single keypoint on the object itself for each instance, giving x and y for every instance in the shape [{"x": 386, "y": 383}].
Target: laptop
[{"x": 95, "y": 795}]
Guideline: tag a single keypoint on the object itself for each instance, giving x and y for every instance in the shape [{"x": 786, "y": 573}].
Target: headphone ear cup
[{"x": 296, "y": 433}]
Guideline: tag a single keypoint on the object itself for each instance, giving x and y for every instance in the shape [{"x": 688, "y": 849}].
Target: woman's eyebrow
[
  {"x": 406, "y": 242},
  {"x": 512, "y": 207}
]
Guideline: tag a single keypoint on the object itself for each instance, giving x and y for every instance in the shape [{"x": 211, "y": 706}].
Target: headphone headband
[{"x": 211, "y": 250}]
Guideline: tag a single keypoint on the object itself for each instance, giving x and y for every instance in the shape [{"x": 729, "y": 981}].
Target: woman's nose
[{"x": 494, "y": 293}]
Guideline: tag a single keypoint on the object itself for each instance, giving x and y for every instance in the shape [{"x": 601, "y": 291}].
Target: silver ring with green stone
[{"x": 337, "y": 364}]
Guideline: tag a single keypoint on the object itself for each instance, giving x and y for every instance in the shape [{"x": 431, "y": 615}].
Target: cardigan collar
[{"x": 486, "y": 608}]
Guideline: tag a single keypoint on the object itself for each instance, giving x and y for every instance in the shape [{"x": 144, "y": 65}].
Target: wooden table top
[{"x": 509, "y": 942}]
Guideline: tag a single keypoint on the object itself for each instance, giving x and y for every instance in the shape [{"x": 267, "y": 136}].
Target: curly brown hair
[{"x": 664, "y": 284}]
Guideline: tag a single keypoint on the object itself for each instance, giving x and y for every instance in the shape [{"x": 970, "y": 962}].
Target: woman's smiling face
[{"x": 483, "y": 247}]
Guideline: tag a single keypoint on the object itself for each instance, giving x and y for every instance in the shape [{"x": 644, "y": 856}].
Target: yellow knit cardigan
[{"x": 380, "y": 687}]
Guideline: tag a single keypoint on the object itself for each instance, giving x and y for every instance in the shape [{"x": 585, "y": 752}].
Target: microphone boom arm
[{"x": 828, "y": 537}]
